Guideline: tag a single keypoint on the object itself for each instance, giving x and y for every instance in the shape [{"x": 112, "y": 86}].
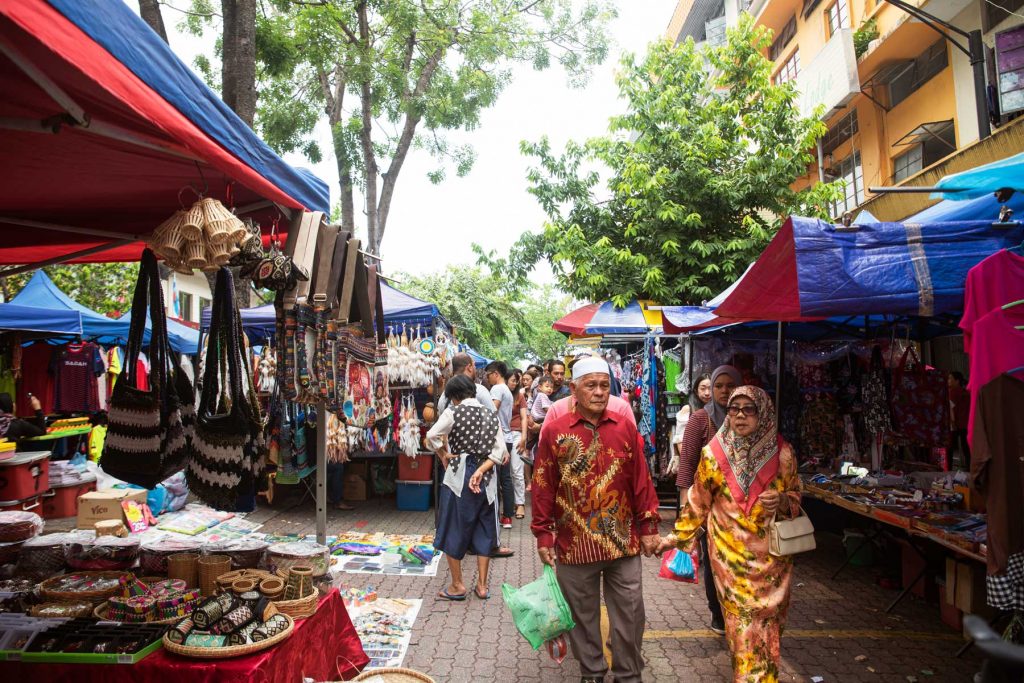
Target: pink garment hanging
[
  {"x": 998, "y": 346},
  {"x": 996, "y": 281}
]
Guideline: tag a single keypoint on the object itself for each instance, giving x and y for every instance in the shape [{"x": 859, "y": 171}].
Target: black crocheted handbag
[
  {"x": 228, "y": 445},
  {"x": 149, "y": 432}
]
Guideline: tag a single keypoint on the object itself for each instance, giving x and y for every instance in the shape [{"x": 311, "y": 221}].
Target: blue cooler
[{"x": 413, "y": 496}]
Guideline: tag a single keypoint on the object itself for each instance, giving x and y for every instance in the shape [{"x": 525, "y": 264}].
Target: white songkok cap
[{"x": 587, "y": 366}]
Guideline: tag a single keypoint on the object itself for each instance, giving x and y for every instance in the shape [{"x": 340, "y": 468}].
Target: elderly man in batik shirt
[{"x": 594, "y": 511}]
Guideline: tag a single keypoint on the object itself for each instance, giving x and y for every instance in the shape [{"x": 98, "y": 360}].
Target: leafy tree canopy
[
  {"x": 511, "y": 325},
  {"x": 687, "y": 187}
]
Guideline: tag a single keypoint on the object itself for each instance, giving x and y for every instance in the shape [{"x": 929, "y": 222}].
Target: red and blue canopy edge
[
  {"x": 605, "y": 318},
  {"x": 102, "y": 126},
  {"x": 812, "y": 270}
]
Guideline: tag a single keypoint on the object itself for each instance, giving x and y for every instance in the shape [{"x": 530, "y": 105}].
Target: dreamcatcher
[
  {"x": 408, "y": 432},
  {"x": 413, "y": 360}
]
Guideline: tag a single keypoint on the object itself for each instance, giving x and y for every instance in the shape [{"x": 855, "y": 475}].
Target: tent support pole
[
  {"x": 779, "y": 351},
  {"x": 321, "y": 473},
  {"x": 65, "y": 258},
  {"x": 44, "y": 82},
  {"x": 94, "y": 232}
]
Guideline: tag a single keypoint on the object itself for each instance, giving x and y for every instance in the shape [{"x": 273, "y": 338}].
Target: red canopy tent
[
  {"x": 576, "y": 322},
  {"x": 103, "y": 128}
]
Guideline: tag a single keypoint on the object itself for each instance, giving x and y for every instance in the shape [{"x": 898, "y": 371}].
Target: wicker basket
[
  {"x": 301, "y": 608},
  {"x": 195, "y": 254},
  {"x": 50, "y": 594},
  {"x": 217, "y": 252},
  {"x": 230, "y": 651},
  {"x": 192, "y": 225},
  {"x": 393, "y": 675},
  {"x": 184, "y": 566},
  {"x": 168, "y": 238},
  {"x": 210, "y": 567},
  {"x": 219, "y": 222}
]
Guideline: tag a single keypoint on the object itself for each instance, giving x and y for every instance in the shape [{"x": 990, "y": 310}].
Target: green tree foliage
[
  {"x": 104, "y": 287},
  {"x": 687, "y": 187},
  {"x": 487, "y": 315},
  {"x": 392, "y": 76}
]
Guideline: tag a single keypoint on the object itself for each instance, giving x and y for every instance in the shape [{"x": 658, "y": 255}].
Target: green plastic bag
[{"x": 539, "y": 609}]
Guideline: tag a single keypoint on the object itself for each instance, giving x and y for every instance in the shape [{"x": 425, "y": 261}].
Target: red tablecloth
[{"x": 324, "y": 647}]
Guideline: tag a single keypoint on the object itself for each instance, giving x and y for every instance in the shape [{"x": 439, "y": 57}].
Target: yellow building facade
[{"x": 899, "y": 97}]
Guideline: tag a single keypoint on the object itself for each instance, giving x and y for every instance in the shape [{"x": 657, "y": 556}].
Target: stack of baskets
[
  {"x": 204, "y": 236},
  {"x": 295, "y": 595}
]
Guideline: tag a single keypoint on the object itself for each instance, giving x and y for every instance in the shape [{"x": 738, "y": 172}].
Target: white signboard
[{"x": 832, "y": 78}]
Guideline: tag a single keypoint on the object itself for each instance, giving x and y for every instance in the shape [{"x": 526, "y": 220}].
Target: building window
[
  {"x": 928, "y": 143},
  {"x": 851, "y": 172},
  {"x": 789, "y": 70},
  {"x": 844, "y": 129},
  {"x": 1010, "y": 67},
  {"x": 837, "y": 16},
  {"x": 787, "y": 34},
  {"x": 185, "y": 306},
  {"x": 907, "y": 164},
  {"x": 911, "y": 76}
]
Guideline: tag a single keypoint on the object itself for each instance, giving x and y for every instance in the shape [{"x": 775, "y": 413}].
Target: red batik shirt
[{"x": 592, "y": 494}]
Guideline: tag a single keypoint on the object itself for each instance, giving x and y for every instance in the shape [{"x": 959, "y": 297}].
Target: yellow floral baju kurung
[{"x": 753, "y": 586}]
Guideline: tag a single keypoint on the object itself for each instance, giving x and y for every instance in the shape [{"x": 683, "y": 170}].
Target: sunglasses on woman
[{"x": 749, "y": 411}]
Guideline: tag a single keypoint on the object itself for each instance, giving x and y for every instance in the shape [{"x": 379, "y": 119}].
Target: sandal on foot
[
  {"x": 485, "y": 596},
  {"x": 454, "y": 597},
  {"x": 503, "y": 552}
]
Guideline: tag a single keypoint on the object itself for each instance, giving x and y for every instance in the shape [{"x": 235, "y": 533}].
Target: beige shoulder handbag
[{"x": 790, "y": 536}]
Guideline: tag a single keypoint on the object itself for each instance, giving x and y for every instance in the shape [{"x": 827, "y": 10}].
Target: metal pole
[
  {"x": 977, "y": 50},
  {"x": 778, "y": 373},
  {"x": 321, "y": 473}
]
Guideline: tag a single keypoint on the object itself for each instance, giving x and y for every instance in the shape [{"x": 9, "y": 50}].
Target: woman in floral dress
[{"x": 746, "y": 475}]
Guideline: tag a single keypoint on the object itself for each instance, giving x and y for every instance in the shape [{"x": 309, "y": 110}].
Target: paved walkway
[{"x": 837, "y": 630}]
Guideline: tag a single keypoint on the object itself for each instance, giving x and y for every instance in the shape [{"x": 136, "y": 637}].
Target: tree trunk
[
  {"x": 366, "y": 134},
  {"x": 238, "y": 73},
  {"x": 150, "y": 12}
]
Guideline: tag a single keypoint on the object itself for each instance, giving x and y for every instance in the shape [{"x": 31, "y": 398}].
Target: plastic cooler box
[
  {"x": 62, "y": 501},
  {"x": 413, "y": 496},
  {"x": 25, "y": 475},
  {"x": 418, "y": 468}
]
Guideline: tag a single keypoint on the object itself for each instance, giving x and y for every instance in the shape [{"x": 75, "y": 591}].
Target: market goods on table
[
  {"x": 103, "y": 553},
  {"x": 153, "y": 555},
  {"x": 306, "y": 553},
  {"x": 80, "y": 586},
  {"x": 19, "y": 526}
]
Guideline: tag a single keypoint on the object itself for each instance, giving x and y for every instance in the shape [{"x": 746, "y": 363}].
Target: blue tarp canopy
[
  {"x": 183, "y": 338},
  {"x": 44, "y": 296},
  {"x": 813, "y": 269},
  {"x": 31, "y": 319},
  {"x": 400, "y": 307},
  {"x": 984, "y": 180},
  {"x": 258, "y": 322}
]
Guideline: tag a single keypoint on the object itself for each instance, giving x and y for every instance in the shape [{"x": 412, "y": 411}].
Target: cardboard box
[
  {"x": 354, "y": 489},
  {"x": 970, "y": 588},
  {"x": 97, "y": 506}
]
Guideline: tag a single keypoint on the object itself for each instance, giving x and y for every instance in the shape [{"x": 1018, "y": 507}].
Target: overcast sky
[{"x": 433, "y": 225}]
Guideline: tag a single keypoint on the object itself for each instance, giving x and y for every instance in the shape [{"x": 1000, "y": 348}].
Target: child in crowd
[
  {"x": 545, "y": 387},
  {"x": 468, "y": 520}
]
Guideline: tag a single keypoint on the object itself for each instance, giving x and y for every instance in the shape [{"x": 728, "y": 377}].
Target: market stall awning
[
  {"x": 42, "y": 295},
  {"x": 258, "y": 322},
  {"x": 607, "y": 318},
  {"x": 576, "y": 322},
  {"x": 479, "y": 361},
  {"x": 15, "y": 318},
  {"x": 984, "y": 180},
  {"x": 102, "y": 126},
  {"x": 400, "y": 307}
]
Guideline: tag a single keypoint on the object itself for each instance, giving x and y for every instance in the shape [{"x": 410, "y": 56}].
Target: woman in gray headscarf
[{"x": 701, "y": 428}]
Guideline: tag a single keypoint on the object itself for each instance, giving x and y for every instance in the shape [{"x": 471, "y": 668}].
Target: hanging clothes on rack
[
  {"x": 76, "y": 369},
  {"x": 35, "y": 379}
]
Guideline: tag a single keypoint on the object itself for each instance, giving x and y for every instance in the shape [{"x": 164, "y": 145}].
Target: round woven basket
[
  {"x": 231, "y": 650},
  {"x": 168, "y": 239},
  {"x": 46, "y": 589},
  {"x": 184, "y": 566},
  {"x": 192, "y": 225},
  {"x": 301, "y": 608},
  {"x": 195, "y": 254},
  {"x": 210, "y": 567},
  {"x": 220, "y": 223},
  {"x": 218, "y": 252},
  {"x": 393, "y": 675}
]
